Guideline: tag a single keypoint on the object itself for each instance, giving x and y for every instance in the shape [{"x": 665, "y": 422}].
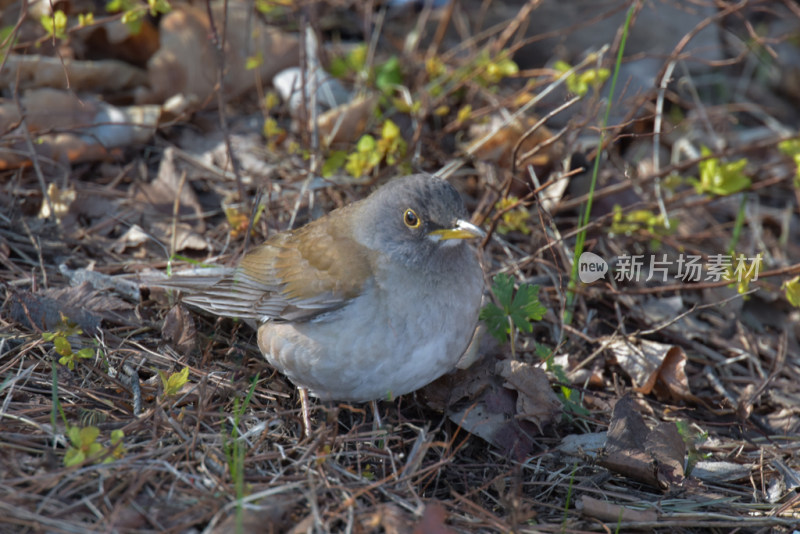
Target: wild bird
[{"x": 371, "y": 301}]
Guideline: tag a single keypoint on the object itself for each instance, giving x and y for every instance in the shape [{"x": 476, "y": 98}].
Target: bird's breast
[{"x": 402, "y": 332}]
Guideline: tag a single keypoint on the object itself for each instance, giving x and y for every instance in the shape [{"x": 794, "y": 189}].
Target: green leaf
[
  {"x": 88, "y": 435},
  {"x": 254, "y": 62},
  {"x": 159, "y": 7},
  {"x": 521, "y": 308},
  {"x": 526, "y": 307},
  {"x": 86, "y": 353},
  {"x": 62, "y": 346},
  {"x": 74, "y": 435},
  {"x": 388, "y": 75},
  {"x": 720, "y": 178},
  {"x": 792, "y": 289},
  {"x": 175, "y": 381},
  {"x": 366, "y": 144},
  {"x": 503, "y": 289},
  {"x": 73, "y": 457},
  {"x": 334, "y": 162},
  {"x": 55, "y": 25},
  {"x": 496, "y": 321}
]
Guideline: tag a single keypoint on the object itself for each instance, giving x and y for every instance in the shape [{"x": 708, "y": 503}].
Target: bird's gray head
[{"x": 419, "y": 220}]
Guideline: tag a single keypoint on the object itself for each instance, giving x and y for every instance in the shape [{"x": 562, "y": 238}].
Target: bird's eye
[{"x": 411, "y": 219}]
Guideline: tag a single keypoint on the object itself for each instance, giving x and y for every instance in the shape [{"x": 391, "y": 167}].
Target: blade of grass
[{"x": 584, "y": 219}]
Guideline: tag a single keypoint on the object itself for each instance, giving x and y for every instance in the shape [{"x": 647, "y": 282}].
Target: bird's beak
[{"x": 462, "y": 230}]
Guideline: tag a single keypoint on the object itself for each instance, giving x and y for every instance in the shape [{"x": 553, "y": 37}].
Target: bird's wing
[{"x": 294, "y": 276}]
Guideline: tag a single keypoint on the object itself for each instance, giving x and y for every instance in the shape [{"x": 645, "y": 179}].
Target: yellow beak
[{"x": 462, "y": 230}]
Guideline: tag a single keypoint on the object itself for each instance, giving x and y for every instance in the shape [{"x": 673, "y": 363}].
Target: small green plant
[
  {"x": 384, "y": 76},
  {"x": 791, "y": 147},
  {"x": 235, "y": 452},
  {"x": 369, "y": 153},
  {"x": 646, "y": 221},
  {"x": 7, "y": 40},
  {"x": 720, "y": 178},
  {"x": 792, "y": 289},
  {"x": 239, "y": 219},
  {"x": 628, "y": 223},
  {"x": 173, "y": 383},
  {"x": 692, "y": 439},
  {"x": 570, "y": 401},
  {"x": 579, "y": 83},
  {"x": 133, "y": 11},
  {"x": 517, "y": 309},
  {"x": 85, "y": 19},
  {"x": 583, "y": 219},
  {"x": 568, "y": 500},
  {"x": 273, "y": 7},
  {"x": 492, "y": 70},
  {"x": 55, "y": 25},
  {"x": 365, "y": 158},
  {"x": 64, "y": 347},
  {"x": 741, "y": 271},
  {"x": 353, "y": 62},
  {"x": 255, "y": 61},
  {"x": 84, "y": 446},
  {"x": 516, "y": 216}
]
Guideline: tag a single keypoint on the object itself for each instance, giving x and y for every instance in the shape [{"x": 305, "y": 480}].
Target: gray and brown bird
[{"x": 371, "y": 301}]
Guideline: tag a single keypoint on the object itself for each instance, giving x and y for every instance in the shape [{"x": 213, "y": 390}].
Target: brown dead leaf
[
  {"x": 179, "y": 329},
  {"x": 160, "y": 194},
  {"x": 269, "y": 518},
  {"x": 346, "y": 123},
  {"x": 503, "y": 413},
  {"x": 82, "y": 305},
  {"x": 648, "y": 362},
  {"x": 37, "y": 72},
  {"x": 499, "y": 149},
  {"x": 654, "y": 457},
  {"x": 536, "y": 402},
  {"x": 185, "y": 62},
  {"x": 90, "y": 130},
  {"x": 668, "y": 449}
]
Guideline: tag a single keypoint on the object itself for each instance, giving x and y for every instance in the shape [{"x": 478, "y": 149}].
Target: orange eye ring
[{"x": 411, "y": 219}]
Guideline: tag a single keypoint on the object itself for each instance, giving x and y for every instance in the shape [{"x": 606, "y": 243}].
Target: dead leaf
[
  {"x": 90, "y": 129},
  {"x": 160, "y": 194},
  {"x": 536, "y": 401},
  {"x": 346, "y": 123},
  {"x": 653, "y": 457},
  {"x": 82, "y": 305},
  {"x": 186, "y": 60},
  {"x": 668, "y": 449},
  {"x": 36, "y": 72},
  {"x": 179, "y": 329},
  {"x": 648, "y": 362},
  {"x": 499, "y": 149}
]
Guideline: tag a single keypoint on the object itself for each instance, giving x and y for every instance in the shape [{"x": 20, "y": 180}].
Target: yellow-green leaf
[
  {"x": 792, "y": 289},
  {"x": 175, "y": 381}
]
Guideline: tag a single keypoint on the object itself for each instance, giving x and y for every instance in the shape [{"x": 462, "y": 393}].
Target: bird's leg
[{"x": 304, "y": 409}]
